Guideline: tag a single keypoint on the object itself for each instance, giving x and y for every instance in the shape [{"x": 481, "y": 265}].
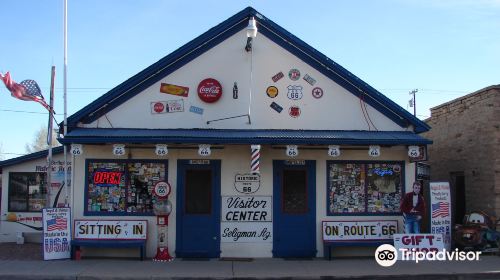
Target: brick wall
[{"x": 466, "y": 135}]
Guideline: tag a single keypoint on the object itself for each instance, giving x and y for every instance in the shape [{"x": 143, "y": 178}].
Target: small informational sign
[
  {"x": 162, "y": 190},
  {"x": 196, "y": 110},
  {"x": 204, "y": 150},
  {"x": 278, "y": 76},
  {"x": 441, "y": 211},
  {"x": 246, "y": 219},
  {"x": 170, "y": 106},
  {"x": 174, "y": 89},
  {"x": 310, "y": 80},
  {"x": 359, "y": 230},
  {"x": 374, "y": 150},
  {"x": 247, "y": 183},
  {"x": 334, "y": 150},
  {"x": 294, "y": 111},
  {"x": 276, "y": 107},
  {"x": 417, "y": 243},
  {"x": 292, "y": 150},
  {"x": 422, "y": 150},
  {"x": 76, "y": 149},
  {"x": 161, "y": 150},
  {"x": 111, "y": 229},
  {"x": 56, "y": 233},
  {"x": 119, "y": 149}
]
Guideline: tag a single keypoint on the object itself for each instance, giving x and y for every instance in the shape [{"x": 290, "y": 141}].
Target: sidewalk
[{"x": 360, "y": 268}]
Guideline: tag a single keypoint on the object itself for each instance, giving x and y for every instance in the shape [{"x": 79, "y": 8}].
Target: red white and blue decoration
[
  {"x": 441, "y": 209},
  {"x": 27, "y": 90},
  {"x": 255, "y": 159}
]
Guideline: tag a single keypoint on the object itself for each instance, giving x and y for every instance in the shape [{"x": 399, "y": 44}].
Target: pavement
[{"x": 25, "y": 262}]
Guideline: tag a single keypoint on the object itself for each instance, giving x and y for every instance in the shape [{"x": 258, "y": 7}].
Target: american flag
[
  {"x": 440, "y": 209},
  {"x": 27, "y": 90},
  {"x": 56, "y": 224}
]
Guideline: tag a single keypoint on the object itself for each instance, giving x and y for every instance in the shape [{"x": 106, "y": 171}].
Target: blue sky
[{"x": 445, "y": 49}]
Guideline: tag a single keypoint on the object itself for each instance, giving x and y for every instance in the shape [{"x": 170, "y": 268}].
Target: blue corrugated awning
[{"x": 242, "y": 136}]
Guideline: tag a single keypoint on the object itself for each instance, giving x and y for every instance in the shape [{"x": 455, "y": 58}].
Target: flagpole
[
  {"x": 49, "y": 134},
  {"x": 65, "y": 70}
]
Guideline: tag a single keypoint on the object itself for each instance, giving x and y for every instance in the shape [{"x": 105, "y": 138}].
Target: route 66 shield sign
[
  {"x": 374, "y": 151},
  {"x": 413, "y": 151}
]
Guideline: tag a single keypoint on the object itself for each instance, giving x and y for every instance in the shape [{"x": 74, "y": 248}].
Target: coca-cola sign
[{"x": 209, "y": 90}]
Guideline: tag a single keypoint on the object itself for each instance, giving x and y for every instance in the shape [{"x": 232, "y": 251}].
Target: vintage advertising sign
[
  {"x": 196, "y": 110},
  {"x": 272, "y": 91},
  {"x": 246, "y": 219},
  {"x": 422, "y": 154},
  {"x": 170, "y": 106},
  {"x": 359, "y": 230},
  {"x": 111, "y": 229},
  {"x": 174, "y": 90},
  {"x": 209, "y": 90},
  {"x": 277, "y": 77},
  {"x": 317, "y": 92},
  {"x": 276, "y": 107},
  {"x": 418, "y": 243},
  {"x": 294, "y": 111},
  {"x": 441, "y": 211},
  {"x": 247, "y": 183},
  {"x": 56, "y": 233},
  {"x": 294, "y": 74},
  {"x": 310, "y": 80}
]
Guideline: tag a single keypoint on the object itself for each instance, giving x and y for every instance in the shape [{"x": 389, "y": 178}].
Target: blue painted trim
[
  {"x": 219, "y": 33},
  {"x": 32, "y": 156},
  {"x": 403, "y": 186},
  {"x": 125, "y": 161}
]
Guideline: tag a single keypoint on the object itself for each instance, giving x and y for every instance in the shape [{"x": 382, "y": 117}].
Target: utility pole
[{"x": 413, "y": 102}]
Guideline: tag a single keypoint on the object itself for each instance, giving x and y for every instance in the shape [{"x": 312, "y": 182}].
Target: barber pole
[{"x": 255, "y": 162}]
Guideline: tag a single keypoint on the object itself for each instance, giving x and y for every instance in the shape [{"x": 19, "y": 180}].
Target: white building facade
[{"x": 260, "y": 147}]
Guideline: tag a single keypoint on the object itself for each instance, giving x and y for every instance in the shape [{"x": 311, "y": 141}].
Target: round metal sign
[
  {"x": 209, "y": 90},
  {"x": 158, "y": 107},
  {"x": 162, "y": 190}
]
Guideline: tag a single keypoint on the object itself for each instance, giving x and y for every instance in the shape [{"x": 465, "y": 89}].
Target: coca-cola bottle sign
[{"x": 209, "y": 90}]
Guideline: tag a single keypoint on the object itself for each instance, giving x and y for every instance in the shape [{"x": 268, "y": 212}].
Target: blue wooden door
[
  {"x": 294, "y": 200},
  {"x": 198, "y": 209}
]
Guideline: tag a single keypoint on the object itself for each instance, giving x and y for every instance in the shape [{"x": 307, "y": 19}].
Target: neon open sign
[{"x": 107, "y": 177}]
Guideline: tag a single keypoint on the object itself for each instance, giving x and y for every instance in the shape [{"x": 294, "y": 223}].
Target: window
[
  {"x": 27, "y": 191},
  {"x": 364, "y": 187},
  {"x": 122, "y": 187}
]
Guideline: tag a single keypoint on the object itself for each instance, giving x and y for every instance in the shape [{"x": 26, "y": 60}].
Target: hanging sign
[
  {"x": 413, "y": 151},
  {"x": 374, "y": 151},
  {"x": 423, "y": 171},
  {"x": 294, "y": 92},
  {"x": 334, "y": 150},
  {"x": 294, "y": 111},
  {"x": 76, "y": 149},
  {"x": 171, "y": 106},
  {"x": 174, "y": 90},
  {"x": 161, "y": 150},
  {"x": 162, "y": 190},
  {"x": 247, "y": 183},
  {"x": 56, "y": 233},
  {"x": 292, "y": 150},
  {"x": 209, "y": 90},
  {"x": 204, "y": 150},
  {"x": 119, "y": 149},
  {"x": 441, "y": 211}
]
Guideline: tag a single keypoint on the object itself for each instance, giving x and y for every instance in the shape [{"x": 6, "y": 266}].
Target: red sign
[
  {"x": 107, "y": 177},
  {"x": 294, "y": 111},
  {"x": 158, "y": 107},
  {"x": 209, "y": 90}
]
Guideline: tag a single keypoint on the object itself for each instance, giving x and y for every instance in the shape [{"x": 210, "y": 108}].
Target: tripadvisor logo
[{"x": 386, "y": 255}]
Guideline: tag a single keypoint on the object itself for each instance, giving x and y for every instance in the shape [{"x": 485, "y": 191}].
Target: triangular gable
[{"x": 221, "y": 32}]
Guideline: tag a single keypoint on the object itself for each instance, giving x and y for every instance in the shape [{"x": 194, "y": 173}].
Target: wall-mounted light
[{"x": 251, "y": 33}]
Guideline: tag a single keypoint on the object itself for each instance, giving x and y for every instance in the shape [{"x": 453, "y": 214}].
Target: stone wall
[{"x": 466, "y": 135}]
